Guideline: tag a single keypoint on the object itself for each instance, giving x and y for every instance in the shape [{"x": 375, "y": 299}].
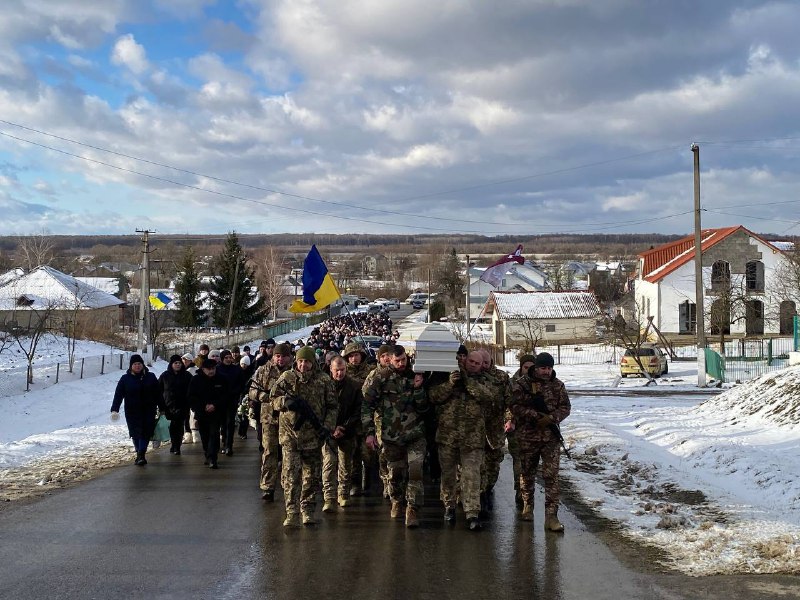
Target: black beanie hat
[
  {"x": 462, "y": 349},
  {"x": 175, "y": 358},
  {"x": 544, "y": 359},
  {"x": 136, "y": 358}
]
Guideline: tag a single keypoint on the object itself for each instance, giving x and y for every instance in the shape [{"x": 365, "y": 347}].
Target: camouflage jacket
[
  {"x": 360, "y": 372},
  {"x": 525, "y": 416},
  {"x": 316, "y": 389},
  {"x": 463, "y": 411},
  {"x": 500, "y": 384},
  {"x": 376, "y": 372},
  {"x": 391, "y": 397},
  {"x": 264, "y": 379}
]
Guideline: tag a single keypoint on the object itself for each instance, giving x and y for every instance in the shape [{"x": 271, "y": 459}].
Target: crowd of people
[{"x": 336, "y": 420}]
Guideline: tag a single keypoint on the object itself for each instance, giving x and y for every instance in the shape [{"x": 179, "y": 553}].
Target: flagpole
[{"x": 469, "y": 329}]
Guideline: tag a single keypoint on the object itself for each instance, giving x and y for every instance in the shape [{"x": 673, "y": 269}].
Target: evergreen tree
[
  {"x": 248, "y": 307},
  {"x": 187, "y": 289},
  {"x": 449, "y": 279}
]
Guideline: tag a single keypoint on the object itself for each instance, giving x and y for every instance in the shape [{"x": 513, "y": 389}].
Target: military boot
[
  {"x": 344, "y": 501},
  {"x": 308, "y": 518},
  {"x": 397, "y": 510},
  {"x": 551, "y": 523},
  {"x": 527, "y": 512},
  {"x": 329, "y": 506},
  {"x": 291, "y": 520},
  {"x": 411, "y": 517}
]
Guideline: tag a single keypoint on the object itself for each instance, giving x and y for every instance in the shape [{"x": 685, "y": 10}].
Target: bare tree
[
  {"x": 71, "y": 321},
  {"x": 270, "y": 272},
  {"x": 37, "y": 315},
  {"x": 34, "y": 250},
  {"x": 631, "y": 334},
  {"x": 532, "y": 332}
]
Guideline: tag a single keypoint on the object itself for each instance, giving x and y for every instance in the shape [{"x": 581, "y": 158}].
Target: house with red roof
[{"x": 742, "y": 291}]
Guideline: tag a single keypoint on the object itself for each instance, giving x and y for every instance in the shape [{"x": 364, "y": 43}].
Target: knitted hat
[
  {"x": 283, "y": 349},
  {"x": 187, "y": 356},
  {"x": 174, "y": 358},
  {"x": 214, "y": 354},
  {"x": 462, "y": 349},
  {"x": 136, "y": 358},
  {"x": 384, "y": 349},
  {"x": 209, "y": 364},
  {"x": 544, "y": 359},
  {"x": 526, "y": 358},
  {"x": 224, "y": 353},
  {"x": 244, "y": 361},
  {"x": 204, "y": 347},
  {"x": 305, "y": 353}
]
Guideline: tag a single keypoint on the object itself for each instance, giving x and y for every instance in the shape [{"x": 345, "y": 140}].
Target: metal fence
[
  {"x": 743, "y": 359},
  {"x": 15, "y": 381}
]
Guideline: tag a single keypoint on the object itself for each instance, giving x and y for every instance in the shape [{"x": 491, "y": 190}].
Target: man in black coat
[
  {"x": 207, "y": 393},
  {"x": 232, "y": 373},
  {"x": 138, "y": 388},
  {"x": 174, "y": 387}
]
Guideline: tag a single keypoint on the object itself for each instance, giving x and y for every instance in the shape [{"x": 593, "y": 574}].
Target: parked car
[
  {"x": 376, "y": 308},
  {"x": 417, "y": 303},
  {"x": 393, "y": 304},
  {"x": 416, "y": 296},
  {"x": 652, "y": 358}
]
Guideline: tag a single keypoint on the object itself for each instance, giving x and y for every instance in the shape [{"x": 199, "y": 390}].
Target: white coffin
[{"x": 434, "y": 346}]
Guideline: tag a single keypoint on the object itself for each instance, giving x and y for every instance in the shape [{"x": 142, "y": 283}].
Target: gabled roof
[
  {"x": 660, "y": 262},
  {"x": 544, "y": 305},
  {"x": 50, "y": 288}
]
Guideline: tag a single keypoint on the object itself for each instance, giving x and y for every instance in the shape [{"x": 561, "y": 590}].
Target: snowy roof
[
  {"x": 11, "y": 275},
  {"x": 544, "y": 305},
  {"x": 785, "y": 246},
  {"x": 47, "y": 287},
  {"x": 109, "y": 285}
]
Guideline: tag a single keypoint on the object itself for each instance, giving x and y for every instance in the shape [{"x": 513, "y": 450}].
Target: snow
[{"x": 710, "y": 479}]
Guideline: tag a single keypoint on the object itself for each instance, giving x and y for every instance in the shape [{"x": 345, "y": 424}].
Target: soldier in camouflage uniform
[
  {"x": 365, "y": 460},
  {"x": 264, "y": 379},
  {"x": 500, "y": 384},
  {"x": 464, "y": 403},
  {"x": 397, "y": 396},
  {"x": 525, "y": 363},
  {"x": 302, "y": 455},
  {"x": 384, "y": 362},
  {"x": 536, "y": 439},
  {"x": 337, "y": 457}
]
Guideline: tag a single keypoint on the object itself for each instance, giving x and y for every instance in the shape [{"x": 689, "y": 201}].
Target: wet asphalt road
[{"x": 176, "y": 529}]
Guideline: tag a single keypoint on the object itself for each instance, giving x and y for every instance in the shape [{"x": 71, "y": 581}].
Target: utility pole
[
  {"x": 428, "y": 320},
  {"x": 143, "y": 339},
  {"x": 467, "y": 312},
  {"x": 698, "y": 275}
]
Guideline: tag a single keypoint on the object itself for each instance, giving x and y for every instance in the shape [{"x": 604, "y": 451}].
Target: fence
[
  {"x": 15, "y": 381},
  {"x": 744, "y": 359},
  {"x": 242, "y": 337}
]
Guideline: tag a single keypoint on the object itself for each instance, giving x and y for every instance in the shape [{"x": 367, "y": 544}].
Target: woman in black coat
[
  {"x": 138, "y": 387},
  {"x": 174, "y": 388}
]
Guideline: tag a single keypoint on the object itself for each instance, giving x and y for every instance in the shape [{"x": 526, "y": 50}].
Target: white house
[
  {"x": 526, "y": 277},
  {"x": 546, "y": 316},
  {"x": 742, "y": 290},
  {"x": 46, "y": 293}
]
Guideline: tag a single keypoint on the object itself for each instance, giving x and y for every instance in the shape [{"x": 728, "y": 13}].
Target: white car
[{"x": 393, "y": 304}]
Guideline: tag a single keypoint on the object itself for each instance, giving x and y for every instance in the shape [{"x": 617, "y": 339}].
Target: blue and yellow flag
[
  {"x": 319, "y": 290},
  {"x": 159, "y": 300}
]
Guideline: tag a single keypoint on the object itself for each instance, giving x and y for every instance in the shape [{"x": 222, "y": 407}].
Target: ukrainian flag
[
  {"x": 319, "y": 290},
  {"x": 159, "y": 300}
]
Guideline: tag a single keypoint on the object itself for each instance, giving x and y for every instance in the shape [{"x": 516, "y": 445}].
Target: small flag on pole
[
  {"x": 159, "y": 300},
  {"x": 493, "y": 275},
  {"x": 319, "y": 290}
]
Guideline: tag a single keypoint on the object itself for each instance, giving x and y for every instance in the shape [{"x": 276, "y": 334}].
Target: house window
[
  {"x": 720, "y": 317},
  {"x": 788, "y": 311},
  {"x": 550, "y": 328},
  {"x": 720, "y": 275},
  {"x": 687, "y": 317},
  {"x": 754, "y": 317},
  {"x": 754, "y": 276}
]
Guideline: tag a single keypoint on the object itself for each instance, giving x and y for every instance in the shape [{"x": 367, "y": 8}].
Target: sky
[
  {"x": 523, "y": 117},
  {"x": 711, "y": 481}
]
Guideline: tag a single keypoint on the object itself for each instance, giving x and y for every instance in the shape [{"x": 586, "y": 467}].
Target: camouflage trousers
[
  {"x": 405, "y": 468},
  {"x": 490, "y": 468},
  {"x": 363, "y": 460},
  {"x": 269, "y": 457},
  {"x": 337, "y": 468},
  {"x": 513, "y": 450},
  {"x": 300, "y": 478},
  {"x": 549, "y": 454},
  {"x": 470, "y": 461}
]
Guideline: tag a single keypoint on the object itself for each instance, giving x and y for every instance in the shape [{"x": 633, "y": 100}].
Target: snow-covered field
[{"x": 713, "y": 481}]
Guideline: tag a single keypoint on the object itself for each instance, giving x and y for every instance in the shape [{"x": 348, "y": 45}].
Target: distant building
[{"x": 526, "y": 277}]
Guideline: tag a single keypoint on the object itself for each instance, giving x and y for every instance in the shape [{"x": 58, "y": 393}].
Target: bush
[{"x": 437, "y": 310}]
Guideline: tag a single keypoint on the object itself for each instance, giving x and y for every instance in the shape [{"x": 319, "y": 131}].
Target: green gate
[{"x": 715, "y": 365}]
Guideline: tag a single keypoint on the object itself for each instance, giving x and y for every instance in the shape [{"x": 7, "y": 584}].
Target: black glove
[{"x": 292, "y": 403}]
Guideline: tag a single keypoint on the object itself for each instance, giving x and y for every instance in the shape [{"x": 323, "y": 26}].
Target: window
[
  {"x": 754, "y": 276},
  {"x": 720, "y": 275},
  {"x": 788, "y": 311},
  {"x": 754, "y": 317},
  {"x": 550, "y": 328},
  {"x": 687, "y": 317}
]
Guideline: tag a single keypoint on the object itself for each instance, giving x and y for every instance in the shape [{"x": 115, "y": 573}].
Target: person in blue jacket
[{"x": 138, "y": 388}]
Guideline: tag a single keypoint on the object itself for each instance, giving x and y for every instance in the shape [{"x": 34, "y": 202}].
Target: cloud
[{"x": 128, "y": 53}]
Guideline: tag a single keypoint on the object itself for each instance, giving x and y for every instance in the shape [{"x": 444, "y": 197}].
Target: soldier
[
  {"x": 463, "y": 402},
  {"x": 525, "y": 363},
  {"x": 365, "y": 463},
  {"x": 539, "y": 401},
  {"x": 384, "y": 362},
  {"x": 397, "y": 396},
  {"x": 337, "y": 459},
  {"x": 301, "y": 439},
  {"x": 500, "y": 385},
  {"x": 264, "y": 379}
]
